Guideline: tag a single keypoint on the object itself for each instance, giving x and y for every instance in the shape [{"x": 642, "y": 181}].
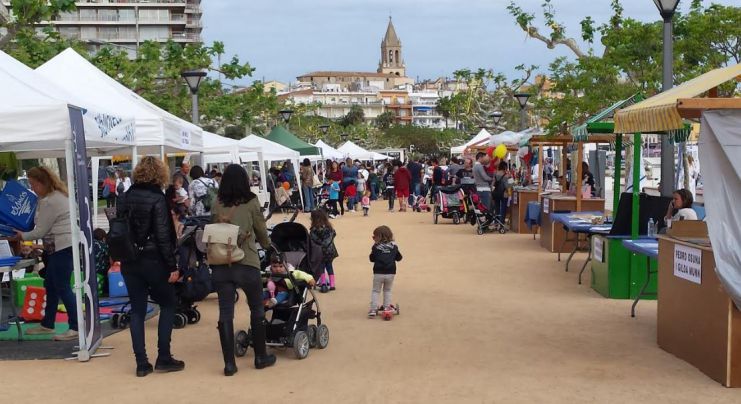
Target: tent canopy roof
[
  {"x": 154, "y": 126},
  {"x": 483, "y": 134},
  {"x": 659, "y": 113},
  {"x": 354, "y": 151},
  {"x": 328, "y": 151},
  {"x": 602, "y": 121},
  {"x": 35, "y": 116},
  {"x": 271, "y": 151},
  {"x": 281, "y": 136}
]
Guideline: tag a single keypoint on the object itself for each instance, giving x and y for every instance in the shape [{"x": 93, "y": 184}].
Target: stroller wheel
[
  {"x": 300, "y": 344},
  {"x": 114, "y": 320},
  {"x": 312, "y": 332},
  {"x": 479, "y": 230},
  {"x": 180, "y": 320},
  {"x": 434, "y": 217},
  {"x": 502, "y": 229},
  {"x": 324, "y": 288},
  {"x": 124, "y": 321},
  {"x": 193, "y": 316},
  {"x": 456, "y": 219},
  {"x": 322, "y": 336},
  {"x": 241, "y": 343}
]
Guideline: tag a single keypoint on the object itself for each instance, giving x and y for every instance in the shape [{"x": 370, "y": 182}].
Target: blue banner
[{"x": 93, "y": 334}]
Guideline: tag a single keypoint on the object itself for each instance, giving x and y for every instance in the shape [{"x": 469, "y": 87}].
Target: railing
[
  {"x": 145, "y": 2},
  {"x": 179, "y": 19}
]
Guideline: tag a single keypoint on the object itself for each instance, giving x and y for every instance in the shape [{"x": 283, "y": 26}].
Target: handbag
[
  {"x": 223, "y": 241},
  {"x": 315, "y": 182}
]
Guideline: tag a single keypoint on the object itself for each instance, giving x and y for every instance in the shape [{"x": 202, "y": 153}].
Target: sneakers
[
  {"x": 68, "y": 335},
  {"x": 371, "y": 313},
  {"x": 169, "y": 364},
  {"x": 331, "y": 216},
  {"x": 144, "y": 369},
  {"x": 40, "y": 330}
]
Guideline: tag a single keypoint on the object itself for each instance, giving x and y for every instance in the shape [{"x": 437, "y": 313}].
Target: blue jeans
[
  {"x": 280, "y": 297},
  {"x": 57, "y": 284},
  {"x": 329, "y": 268},
  {"x": 415, "y": 189},
  {"x": 308, "y": 198},
  {"x": 374, "y": 192},
  {"x": 500, "y": 207},
  {"x": 351, "y": 201}
]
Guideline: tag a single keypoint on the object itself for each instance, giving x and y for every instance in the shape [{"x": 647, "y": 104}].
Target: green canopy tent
[{"x": 285, "y": 138}]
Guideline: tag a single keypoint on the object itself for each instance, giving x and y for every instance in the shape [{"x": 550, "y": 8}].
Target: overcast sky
[{"x": 285, "y": 38}]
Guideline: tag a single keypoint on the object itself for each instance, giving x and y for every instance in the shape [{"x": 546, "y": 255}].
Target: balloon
[
  {"x": 500, "y": 151},
  {"x": 286, "y": 185},
  {"x": 490, "y": 151}
]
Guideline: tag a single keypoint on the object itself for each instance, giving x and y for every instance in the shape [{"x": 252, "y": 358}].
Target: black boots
[
  {"x": 262, "y": 359},
  {"x": 168, "y": 364},
  {"x": 143, "y": 369},
  {"x": 226, "y": 335}
]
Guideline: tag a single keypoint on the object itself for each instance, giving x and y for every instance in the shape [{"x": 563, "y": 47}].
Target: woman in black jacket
[{"x": 155, "y": 270}]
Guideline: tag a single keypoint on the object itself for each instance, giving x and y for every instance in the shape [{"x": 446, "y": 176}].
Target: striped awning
[
  {"x": 659, "y": 113},
  {"x": 581, "y": 132}
]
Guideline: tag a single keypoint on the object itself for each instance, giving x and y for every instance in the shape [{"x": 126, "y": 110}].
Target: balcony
[{"x": 128, "y": 3}]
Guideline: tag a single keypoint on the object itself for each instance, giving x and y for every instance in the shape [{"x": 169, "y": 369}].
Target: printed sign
[
  {"x": 514, "y": 197},
  {"x": 688, "y": 263},
  {"x": 546, "y": 205},
  {"x": 598, "y": 246},
  {"x": 93, "y": 333},
  {"x": 185, "y": 138}
]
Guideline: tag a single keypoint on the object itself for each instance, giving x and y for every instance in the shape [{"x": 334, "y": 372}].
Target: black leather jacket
[{"x": 151, "y": 222}]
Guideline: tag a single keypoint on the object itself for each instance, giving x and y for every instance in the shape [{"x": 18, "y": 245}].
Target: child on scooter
[{"x": 384, "y": 255}]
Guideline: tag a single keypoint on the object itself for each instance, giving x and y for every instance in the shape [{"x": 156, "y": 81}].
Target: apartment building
[{"x": 127, "y": 23}]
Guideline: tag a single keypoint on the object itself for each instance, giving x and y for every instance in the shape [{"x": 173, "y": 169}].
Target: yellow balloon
[{"x": 500, "y": 151}]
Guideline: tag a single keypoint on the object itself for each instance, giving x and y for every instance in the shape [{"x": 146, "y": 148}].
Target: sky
[{"x": 283, "y": 39}]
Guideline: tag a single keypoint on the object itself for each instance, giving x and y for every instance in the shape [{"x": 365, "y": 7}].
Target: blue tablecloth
[
  {"x": 532, "y": 214},
  {"x": 645, "y": 246},
  {"x": 573, "y": 223}
]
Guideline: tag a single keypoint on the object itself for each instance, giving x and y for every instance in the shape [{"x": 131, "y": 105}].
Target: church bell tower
[{"x": 392, "y": 61}]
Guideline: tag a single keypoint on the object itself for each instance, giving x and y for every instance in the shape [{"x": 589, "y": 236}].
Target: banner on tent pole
[{"x": 87, "y": 259}]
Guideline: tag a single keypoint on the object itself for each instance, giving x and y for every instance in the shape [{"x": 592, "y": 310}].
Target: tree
[
  {"x": 353, "y": 117},
  {"x": 385, "y": 120},
  {"x": 705, "y": 38},
  {"x": 27, "y": 13},
  {"x": 427, "y": 141}
]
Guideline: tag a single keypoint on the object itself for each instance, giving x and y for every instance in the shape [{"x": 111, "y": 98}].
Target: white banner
[
  {"x": 546, "y": 203},
  {"x": 688, "y": 263},
  {"x": 514, "y": 197}
]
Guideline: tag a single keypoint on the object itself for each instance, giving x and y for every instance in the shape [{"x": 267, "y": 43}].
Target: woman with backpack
[
  {"x": 499, "y": 193},
  {"x": 202, "y": 191},
  {"x": 109, "y": 191},
  {"x": 238, "y": 205},
  {"x": 123, "y": 183},
  {"x": 153, "y": 270}
]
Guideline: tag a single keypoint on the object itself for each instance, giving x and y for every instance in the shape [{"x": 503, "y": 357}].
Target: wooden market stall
[{"x": 697, "y": 319}]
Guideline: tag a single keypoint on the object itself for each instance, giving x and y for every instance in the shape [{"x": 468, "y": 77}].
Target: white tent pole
[
  {"x": 134, "y": 158},
  {"x": 95, "y": 169},
  {"x": 84, "y": 354},
  {"x": 263, "y": 175},
  {"x": 162, "y": 154},
  {"x": 298, "y": 181}
]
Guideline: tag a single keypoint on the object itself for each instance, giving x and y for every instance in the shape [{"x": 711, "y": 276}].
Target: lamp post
[
  {"x": 324, "y": 129},
  {"x": 496, "y": 117},
  {"x": 343, "y": 137},
  {"x": 522, "y": 100},
  {"x": 286, "y": 115},
  {"x": 193, "y": 78},
  {"x": 667, "y": 9}
]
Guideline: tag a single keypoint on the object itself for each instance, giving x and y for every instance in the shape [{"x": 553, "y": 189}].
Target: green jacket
[{"x": 251, "y": 223}]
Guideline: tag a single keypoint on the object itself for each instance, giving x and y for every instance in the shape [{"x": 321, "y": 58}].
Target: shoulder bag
[{"x": 223, "y": 241}]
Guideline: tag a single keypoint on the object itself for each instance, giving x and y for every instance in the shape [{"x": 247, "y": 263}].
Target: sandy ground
[{"x": 490, "y": 318}]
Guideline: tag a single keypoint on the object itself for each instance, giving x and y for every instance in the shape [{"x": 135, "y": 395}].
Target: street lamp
[
  {"x": 667, "y": 9},
  {"x": 343, "y": 137},
  {"x": 496, "y": 116},
  {"x": 522, "y": 100},
  {"x": 286, "y": 115},
  {"x": 324, "y": 129},
  {"x": 193, "y": 78}
]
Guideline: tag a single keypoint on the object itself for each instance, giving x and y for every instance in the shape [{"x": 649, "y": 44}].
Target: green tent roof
[
  {"x": 602, "y": 122},
  {"x": 283, "y": 137}
]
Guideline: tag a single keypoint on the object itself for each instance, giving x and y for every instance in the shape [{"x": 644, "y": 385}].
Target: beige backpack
[{"x": 223, "y": 241}]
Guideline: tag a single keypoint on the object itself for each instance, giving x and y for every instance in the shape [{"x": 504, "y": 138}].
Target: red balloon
[{"x": 490, "y": 151}]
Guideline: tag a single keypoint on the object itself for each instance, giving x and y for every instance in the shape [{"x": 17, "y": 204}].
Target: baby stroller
[
  {"x": 480, "y": 216},
  {"x": 297, "y": 322},
  {"x": 449, "y": 203},
  {"x": 420, "y": 204},
  {"x": 195, "y": 284}
]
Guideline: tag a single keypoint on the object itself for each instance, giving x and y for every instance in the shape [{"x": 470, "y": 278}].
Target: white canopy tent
[
  {"x": 34, "y": 122},
  {"x": 271, "y": 151},
  {"x": 158, "y": 131},
  {"x": 328, "y": 151},
  {"x": 480, "y": 137},
  {"x": 40, "y": 114},
  {"x": 353, "y": 151},
  {"x": 720, "y": 156},
  {"x": 220, "y": 149}
]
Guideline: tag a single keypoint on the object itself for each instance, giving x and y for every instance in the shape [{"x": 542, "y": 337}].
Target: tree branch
[
  {"x": 551, "y": 43},
  {"x": 12, "y": 31}
]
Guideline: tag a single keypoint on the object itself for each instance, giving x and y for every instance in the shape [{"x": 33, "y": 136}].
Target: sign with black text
[
  {"x": 546, "y": 205},
  {"x": 688, "y": 263},
  {"x": 598, "y": 247}
]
